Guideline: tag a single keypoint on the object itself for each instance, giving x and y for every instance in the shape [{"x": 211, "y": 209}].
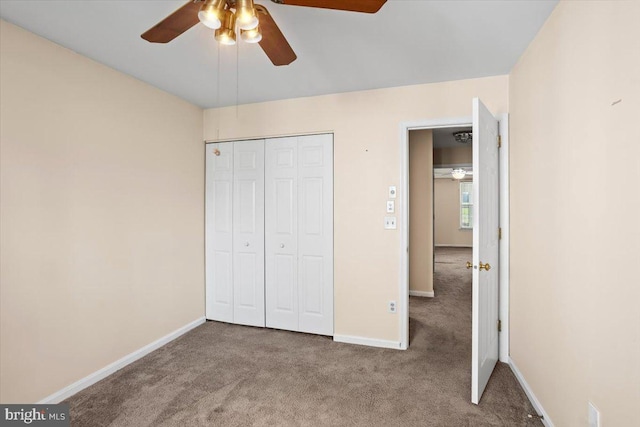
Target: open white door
[{"x": 486, "y": 192}]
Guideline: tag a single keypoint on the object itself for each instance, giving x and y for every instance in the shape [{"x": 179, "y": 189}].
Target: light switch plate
[
  {"x": 390, "y": 222},
  {"x": 392, "y": 192},
  {"x": 391, "y": 206}
]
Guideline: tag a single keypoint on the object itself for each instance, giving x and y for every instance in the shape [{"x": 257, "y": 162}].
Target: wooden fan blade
[
  {"x": 175, "y": 24},
  {"x": 273, "y": 42},
  {"x": 366, "y": 6}
]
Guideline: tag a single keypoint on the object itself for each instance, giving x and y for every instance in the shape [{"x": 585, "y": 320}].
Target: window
[{"x": 466, "y": 204}]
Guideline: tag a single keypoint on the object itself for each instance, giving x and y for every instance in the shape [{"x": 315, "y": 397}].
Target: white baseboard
[
  {"x": 93, "y": 378},
  {"x": 429, "y": 294},
  {"x": 453, "y": 246},
  {"x": 532, "y": 397},
  {"x": 371, "y": 342}
]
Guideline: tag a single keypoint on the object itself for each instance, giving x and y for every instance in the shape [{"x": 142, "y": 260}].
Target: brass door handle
[
  {"x": 485, "y": 267},
  {"x": 469, "y": 265}
]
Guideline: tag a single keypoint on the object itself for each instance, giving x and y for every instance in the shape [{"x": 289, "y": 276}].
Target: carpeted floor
[{"x": 228, "y": 375}]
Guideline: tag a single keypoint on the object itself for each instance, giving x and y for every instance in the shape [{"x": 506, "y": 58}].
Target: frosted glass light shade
[
  {"x": 246, "y": 15},
  {"x": 211, "y": 13},
  {"x": 458, "y": 173},
  {"x": 225, "y": 37},
  {"x": 247, "y": 22},
  {"x": 251, "y": 36},
  {"x": 225, "y": 34}
]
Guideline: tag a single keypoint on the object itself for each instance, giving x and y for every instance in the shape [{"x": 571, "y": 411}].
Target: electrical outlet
[
  {"x": 390, "y": 222},
  {"x": 392, "y": 306},
  {"x": 594, "y": 416}
]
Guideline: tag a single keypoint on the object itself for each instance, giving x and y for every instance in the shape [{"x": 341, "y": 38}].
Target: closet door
[
  {"x": 315, "y": 234},
  {"x": 281, "y": 233},
  {"x": 299, "y": 234},
  {"x": 219, "y": 232},
  {"x": 248, "y": 233}
]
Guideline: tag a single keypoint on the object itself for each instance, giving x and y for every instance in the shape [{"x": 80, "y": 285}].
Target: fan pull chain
[
  {"x": 237, "y": 77},
  {"x": 218, "y": 95}
]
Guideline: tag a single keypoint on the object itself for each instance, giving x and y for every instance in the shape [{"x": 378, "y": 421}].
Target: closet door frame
[{"x": 309, "y": 319}]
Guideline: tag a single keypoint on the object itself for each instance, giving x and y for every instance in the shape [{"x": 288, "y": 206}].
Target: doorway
[
  {"x": 489, "y": 137},
  {"x": 440, "y": 241},
  {"x": 438, "y": 217}
]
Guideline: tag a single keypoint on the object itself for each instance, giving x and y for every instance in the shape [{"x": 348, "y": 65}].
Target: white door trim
[
  {"x": 405, "y": 127},
  {"x": 503, "y": 308},
  {"x": 403, "y": 306}
]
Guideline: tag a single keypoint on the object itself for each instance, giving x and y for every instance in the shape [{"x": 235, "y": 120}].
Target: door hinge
[
  {"x": 499, "y": 141},
  {"x": 499, "y": 233},
  {"x": 499, "y": 325}
]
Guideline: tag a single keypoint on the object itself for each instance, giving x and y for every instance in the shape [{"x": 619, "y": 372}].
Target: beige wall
[
  {"x": 366, "y": 127},
  {"x": 421, "y": 210},
  {"x": 575, "y": 169},
  {"x": 101, "y": 215},
  {"x": 452, "y": 156},
  {"x": 447, "y": 230}
]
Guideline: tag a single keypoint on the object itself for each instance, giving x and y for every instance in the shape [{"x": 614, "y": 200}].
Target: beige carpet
[{"x": 228, "y": 375}]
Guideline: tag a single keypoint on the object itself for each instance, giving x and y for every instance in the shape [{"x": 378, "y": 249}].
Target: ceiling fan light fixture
[
  {"x": 251, "y": 36},
  {"x": 458, "y": 173},
  {"x": 463, "y": 137},
  {"x": 225, "y": 34},
  {"x": 225, "y": 37},
  {"x": 211, "y": 12},
  {"x": 246, "y": 15}
]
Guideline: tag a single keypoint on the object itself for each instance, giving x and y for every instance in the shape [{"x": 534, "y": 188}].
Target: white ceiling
[{"x": 406, "y": 42}]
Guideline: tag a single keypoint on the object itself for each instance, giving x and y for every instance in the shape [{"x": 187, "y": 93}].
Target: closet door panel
[
  {"x": 219, "y": 232},
  {"x": 315, "y": 234},
  {"x": 248, "y": 233},
  {"x": 312, "y": 280},
  {"x": 281, "y": 233}
]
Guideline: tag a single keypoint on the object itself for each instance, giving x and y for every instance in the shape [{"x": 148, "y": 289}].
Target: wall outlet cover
[{"x": 392, "y": 307}]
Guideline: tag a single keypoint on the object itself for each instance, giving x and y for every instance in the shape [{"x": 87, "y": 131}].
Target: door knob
[
  {"x": 282, "y": 245},
  {"x": 469, "y": 265},
  {"x": 485, "y": 267},
  {"x": 246, "y": 244}
]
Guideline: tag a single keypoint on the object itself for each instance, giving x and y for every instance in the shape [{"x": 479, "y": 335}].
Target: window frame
[{"x": 463, "y": 205}]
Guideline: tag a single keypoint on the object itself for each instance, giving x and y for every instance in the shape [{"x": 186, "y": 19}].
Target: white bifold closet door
[
  {"x": 299, "y": 233},
  {"x": 219, "y": 232},
  {"x": 235, "y": 232},
  {"x": 248, "y": 233}
]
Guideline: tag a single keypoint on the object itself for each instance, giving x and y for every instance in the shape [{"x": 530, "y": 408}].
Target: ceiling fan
[{"x": 253, "y": 21}]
